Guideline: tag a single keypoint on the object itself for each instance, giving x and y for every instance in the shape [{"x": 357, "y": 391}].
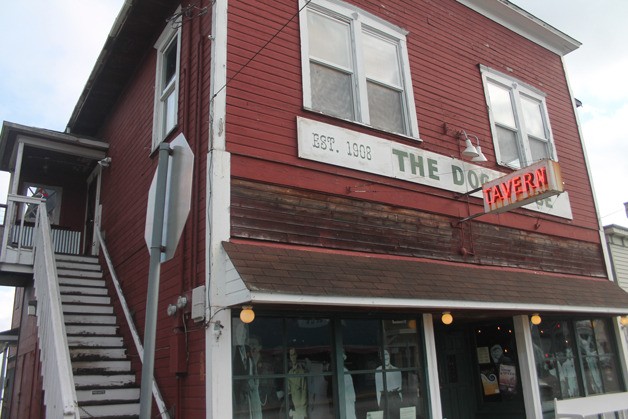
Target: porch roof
[
  {"x": 278, "y": 274},
  {"x": 49, "y": 140}
]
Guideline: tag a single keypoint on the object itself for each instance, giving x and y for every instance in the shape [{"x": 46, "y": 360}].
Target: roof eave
[{"x": 525, "y": 24}]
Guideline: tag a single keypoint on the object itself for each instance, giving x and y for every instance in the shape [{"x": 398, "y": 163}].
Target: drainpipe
[{"x": 218, "y": 333}]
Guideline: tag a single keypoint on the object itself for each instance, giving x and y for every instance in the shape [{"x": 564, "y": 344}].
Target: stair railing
[
  {"x": 58, "y": 381},
  {"x": 161, "y": 405},
  {"x": 13, "y": 234}
]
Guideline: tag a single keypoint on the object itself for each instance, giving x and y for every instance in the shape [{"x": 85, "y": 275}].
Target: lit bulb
[
  {"x": 247, "y": 315},
  {"x": 447, "y": 318},
  {"x": 535, "y": 319}
]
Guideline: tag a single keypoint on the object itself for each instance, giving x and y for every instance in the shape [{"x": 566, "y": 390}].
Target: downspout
[{"x": 218, "y": 395}]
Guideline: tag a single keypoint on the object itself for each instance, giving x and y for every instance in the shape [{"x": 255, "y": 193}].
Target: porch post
[
  {"x": 527, "y": 366},
  {"x": 15, "y": 180},
  {"x": 433, "y": 384}
]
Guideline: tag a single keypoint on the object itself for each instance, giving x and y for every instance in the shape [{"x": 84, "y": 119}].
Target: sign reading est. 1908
[{"x": 345, "y": 148}]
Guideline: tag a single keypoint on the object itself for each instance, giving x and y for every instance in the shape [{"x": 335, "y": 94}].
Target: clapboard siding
[
  {"x": 128, "y": 130},
  {"x": 617, "y": 240},
  {"x": 288, "y": 215},
  {"x": 446, "y": 44}
]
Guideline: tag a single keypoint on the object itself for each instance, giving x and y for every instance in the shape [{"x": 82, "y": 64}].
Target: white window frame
[
  {"x": 517, "y": 89},
  {"x": 359, "y": 21},
  {"x": 160, "y": 131}
]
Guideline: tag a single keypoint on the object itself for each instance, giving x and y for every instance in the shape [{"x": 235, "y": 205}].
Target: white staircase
[{"x": 105, "y": 383}]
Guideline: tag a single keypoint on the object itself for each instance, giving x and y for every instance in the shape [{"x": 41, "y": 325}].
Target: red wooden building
[{"x": 340, "y": 149}]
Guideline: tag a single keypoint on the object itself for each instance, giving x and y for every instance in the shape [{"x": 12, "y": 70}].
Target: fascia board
[{"x": 525, "y": 24}]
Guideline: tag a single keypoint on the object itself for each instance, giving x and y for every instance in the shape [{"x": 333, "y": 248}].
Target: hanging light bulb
[
  {"x": 247, "y": 315},
  {"x": 535, "y": 319},
  {"x": 447, "y": 318}
]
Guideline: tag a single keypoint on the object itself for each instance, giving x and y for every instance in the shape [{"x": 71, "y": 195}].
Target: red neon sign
[{"x": 538, "y": 181}]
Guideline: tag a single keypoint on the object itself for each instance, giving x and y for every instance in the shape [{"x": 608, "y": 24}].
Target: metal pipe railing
[
  {"x": 58, "y": 381},
  {"x": 161, "y": 405}
]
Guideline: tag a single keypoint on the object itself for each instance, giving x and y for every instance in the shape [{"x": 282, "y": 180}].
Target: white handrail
[
  {"x": 161, "y": 405},
  {"x": 58, "y": 381}
]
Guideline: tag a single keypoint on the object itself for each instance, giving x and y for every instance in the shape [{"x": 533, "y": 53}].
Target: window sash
[
  {"x": 527, "y": 118},
  {"x": 361, "y": 25},
  {"x": 166, "y": 84}
]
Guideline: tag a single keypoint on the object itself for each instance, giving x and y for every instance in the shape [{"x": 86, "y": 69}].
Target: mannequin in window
[
  {"x": 393, "y": 386},
  {"x": 349, "y": 393},
  {"x": 587, "y": 348},
  {"x": 297, "y": 387},
  {"x": 246, "y": 392},
  {"x": 568, "y": 375}
]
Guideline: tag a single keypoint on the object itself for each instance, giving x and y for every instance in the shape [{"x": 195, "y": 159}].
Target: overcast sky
[{"x": 49, "y": 48}]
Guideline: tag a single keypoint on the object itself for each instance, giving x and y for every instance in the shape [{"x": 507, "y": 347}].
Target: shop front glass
[
  {"x": 319, "y": 368},
  {"x": 575, "y": 358}
]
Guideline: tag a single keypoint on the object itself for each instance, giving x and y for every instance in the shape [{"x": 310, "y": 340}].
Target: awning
[{"x": 278, "y": 274}]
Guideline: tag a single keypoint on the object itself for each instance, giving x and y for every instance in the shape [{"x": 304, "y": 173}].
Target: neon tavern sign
[{"x": 540, "y": 180}]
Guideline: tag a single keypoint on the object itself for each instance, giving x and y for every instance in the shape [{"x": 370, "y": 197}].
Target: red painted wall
[
  {"x": 446, "y": 43},
  {"x": 125, "y": 185}
]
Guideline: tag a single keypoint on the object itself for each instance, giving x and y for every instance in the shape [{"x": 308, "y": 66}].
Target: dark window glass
[
  {"x": 284, "y": 368},
  {"x": 574, "y": 359}
]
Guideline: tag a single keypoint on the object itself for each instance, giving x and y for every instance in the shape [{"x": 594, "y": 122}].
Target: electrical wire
[{"x": 260, "y": 49}]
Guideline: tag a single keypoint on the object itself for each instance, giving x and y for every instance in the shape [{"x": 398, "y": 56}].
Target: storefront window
[
  {"x": 574, "y": 359},
  {"x": 496, "y": 351},
  {"x": 285, "y": 368}
]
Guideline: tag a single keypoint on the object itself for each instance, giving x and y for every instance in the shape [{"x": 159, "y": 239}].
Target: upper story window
[
  {"x": 355, "y": 67},
  {"x": 519, "y": 120},
  {"x": 168, "y": 48}
]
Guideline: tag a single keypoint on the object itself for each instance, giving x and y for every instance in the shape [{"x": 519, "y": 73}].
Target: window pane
[
  {"x": 324, "y": 32},
  {"x": 169, "y": 112},
  {"x": 381, "y": 60},
  {"x": 331, "y": 91},
  {"x": 508, "y": 147},
  {"x": 607, "y": 360},
  {"x": 257, "y": 359},
  {"x": 588, "y": 352},
  {"x": 362, "y": 343},
  {"x": 309, "y": 367},
  {"x": 533, "y": 117},
  {"x": 385, "y": 108},
  {"x": 170, "y": 63},
  {"x": 539, "y": 149},
  {"x": 554, "y": 353},
  {"x": 501, "y": 105}
]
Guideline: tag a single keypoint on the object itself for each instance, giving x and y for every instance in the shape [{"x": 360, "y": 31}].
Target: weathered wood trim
[{"x": 288, "y": 215}]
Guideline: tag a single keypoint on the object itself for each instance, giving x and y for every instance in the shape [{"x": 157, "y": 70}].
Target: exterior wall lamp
[
  {"x": 447, "y": 318},
  {"x": 247, "y": 315},
  {"x": 535, "y": 319},
  {"x": 474, "y": 152}
]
